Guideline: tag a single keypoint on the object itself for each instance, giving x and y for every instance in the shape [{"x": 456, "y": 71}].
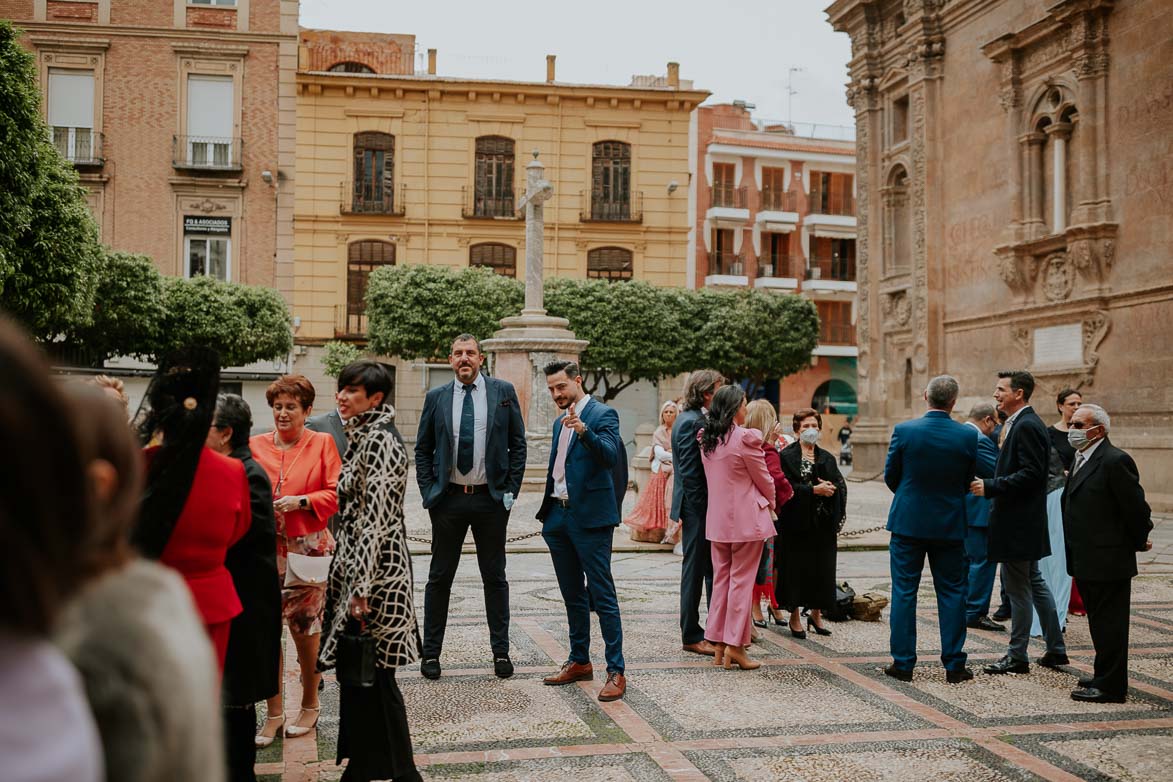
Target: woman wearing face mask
[
  {"x": 1054, "y": 567},
  {"x": 808, "y": 526}
]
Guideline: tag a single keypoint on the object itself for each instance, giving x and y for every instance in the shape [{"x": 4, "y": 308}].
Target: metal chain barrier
[
  {"x": 514, "y": 539},
  {"x": 857, "y": 532}
]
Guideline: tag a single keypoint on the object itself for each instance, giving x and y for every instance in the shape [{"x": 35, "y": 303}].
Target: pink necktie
[{"x": 560, "y": 459}]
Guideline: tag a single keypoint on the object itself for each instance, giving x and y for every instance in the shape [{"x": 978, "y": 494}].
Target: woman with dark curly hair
[
  {"x": 808, "y": 526},
  {"x": 741, "y": 496}
]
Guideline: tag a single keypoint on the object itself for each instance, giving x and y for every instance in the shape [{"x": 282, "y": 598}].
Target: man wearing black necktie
[
  {"x": 1106, "y": 520},
  {"x": 469, "y": 461}
]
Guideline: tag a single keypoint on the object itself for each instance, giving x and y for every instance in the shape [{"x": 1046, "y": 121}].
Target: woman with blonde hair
[
  {"x": 649, "y": 520},
  {"x": 760, "y": 416}
]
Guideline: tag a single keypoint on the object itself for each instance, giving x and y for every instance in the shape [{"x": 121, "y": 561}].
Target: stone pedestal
[{"x": 519, "y": 351}]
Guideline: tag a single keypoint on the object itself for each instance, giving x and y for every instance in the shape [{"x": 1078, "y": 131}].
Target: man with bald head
[{"x": 1105, "y": 522}]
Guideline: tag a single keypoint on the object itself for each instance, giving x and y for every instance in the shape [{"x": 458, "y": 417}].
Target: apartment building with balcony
[
  {"x": 179, "y": 117},
  {"x": 774, "y": 208},
  {"x": 400, "y": 164}
]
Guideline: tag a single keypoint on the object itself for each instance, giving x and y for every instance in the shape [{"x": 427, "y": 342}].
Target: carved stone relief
[
  {"x": 1058, "y": 277},
  {"x": 1094, "y": 327}
]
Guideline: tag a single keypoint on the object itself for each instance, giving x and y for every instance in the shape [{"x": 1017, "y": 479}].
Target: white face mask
[
  {"x": 809, "y": 436},
  {"x": 1078, "y": 439}
]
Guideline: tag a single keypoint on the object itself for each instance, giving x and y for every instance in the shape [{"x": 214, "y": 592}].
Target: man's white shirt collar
[
  {"x": 1086, "y": 453},
  {"x": 1017, "y": 413}
]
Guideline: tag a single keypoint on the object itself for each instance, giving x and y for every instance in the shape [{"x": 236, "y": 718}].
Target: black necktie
[{"x": 468, "y": 420}]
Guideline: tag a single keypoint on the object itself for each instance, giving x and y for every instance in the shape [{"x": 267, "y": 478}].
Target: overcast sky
[{"x": 736, "y": 49}]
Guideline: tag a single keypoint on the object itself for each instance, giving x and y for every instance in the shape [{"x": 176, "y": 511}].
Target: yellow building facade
[{"x": 395, "y": 167}]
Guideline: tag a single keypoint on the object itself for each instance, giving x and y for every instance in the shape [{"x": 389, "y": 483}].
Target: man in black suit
[
  {"x": 690, "y": 504},
  {"x": 469, "y": 462},
  {"x": 330, "y": 423},
  {"x": 1018, "y": 535},
  {"x": 1105, "y": 522}
]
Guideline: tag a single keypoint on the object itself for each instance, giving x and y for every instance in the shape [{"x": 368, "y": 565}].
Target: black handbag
[
  {"x": 356, "y": 654},
  {"x": 844, "y": 597}
]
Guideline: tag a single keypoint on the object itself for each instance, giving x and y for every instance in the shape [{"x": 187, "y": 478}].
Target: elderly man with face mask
[{"x": 1105, "y": 521}]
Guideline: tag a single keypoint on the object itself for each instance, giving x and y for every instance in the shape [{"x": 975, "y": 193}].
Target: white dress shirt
[
  {"x": 560, "y": 490},
  {"x": 480, "y": 406}
]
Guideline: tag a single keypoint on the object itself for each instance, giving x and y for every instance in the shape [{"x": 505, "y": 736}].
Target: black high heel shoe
[
  {"x": 799, "y": 634},
  {"x": 810, "y": 625},
  {"x": 759, "y": 623},
  {"x": 778, "y": 620}
]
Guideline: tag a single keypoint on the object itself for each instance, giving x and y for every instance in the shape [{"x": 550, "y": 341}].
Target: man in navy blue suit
[
  {"x": 579, "y": 513},
  {"x": 931, "y": 461},
  {"x": 982, "y": 419},
  {"x": 469, "y": 462}
]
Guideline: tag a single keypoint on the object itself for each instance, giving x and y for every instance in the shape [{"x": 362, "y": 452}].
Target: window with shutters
[
  {"x": 362, "y": 258},
  {"x": 501, "y": 258},
  {"x": 350, "y": 67},
  {"x": 493, "y": 184},
  {"x": 374, "y": 173},
  {"x": 835, "y": 326},
  {"x": 775, "y": 190},
  {"x": 210, "y": 108},
  {"x": 609, "y": 263},
  {"x": 831, "y": 193},
  {"x": 611, "y": 181},
  {"x": 71, "y": 113}
]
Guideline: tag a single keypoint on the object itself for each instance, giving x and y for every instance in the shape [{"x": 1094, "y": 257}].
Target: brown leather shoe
[
  {"x": 614, "y": 689},
  {"x": 571, "y": 673},
  {"x": 702, "y": 647}
]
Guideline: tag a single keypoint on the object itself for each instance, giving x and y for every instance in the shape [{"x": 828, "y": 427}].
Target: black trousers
[
  {"x": 240, "y": 727},
  {"x": 452, "y": 518},
  {"x": 373, "y": 732},
  {"x": 696, "y": 570},
  {"x": 1108, "y": 604}
]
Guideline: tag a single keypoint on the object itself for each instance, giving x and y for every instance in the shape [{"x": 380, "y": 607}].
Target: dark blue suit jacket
[
  {"x": 931, "y": 461},
  {"x": 977, "y": 509},
  {"x": 596, "y": 469},
  {"x": 504, "y": 442},
  {"x": 689, "y": 487}
]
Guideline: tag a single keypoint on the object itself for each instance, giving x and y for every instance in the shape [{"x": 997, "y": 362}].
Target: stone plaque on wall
[{"x": 1059, "y": 345}]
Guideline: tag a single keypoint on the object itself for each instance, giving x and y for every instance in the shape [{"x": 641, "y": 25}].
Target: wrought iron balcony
[
  {"x": 831, "y": 333},
  {"x": 824, "y": 203},
  {"x": 80, "y": 146},
  {"x": 206, "y": 153},
  {"x": 726, "y": 264},
  {"x": 833, "y": 268},
  {"x": 779, "y": 266},
  {"x": 350, "y": 321},
  {"x": 477, "y": 204},
  {"x": 597, "y": 209},
  {"x": 778, "y": 201},
  {"x": 372, "y": 201},
  {"x": 728, "y": 197}
]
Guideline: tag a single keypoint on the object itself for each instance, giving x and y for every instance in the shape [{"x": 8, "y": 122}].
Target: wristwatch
[{"x": 303, "y": 503}]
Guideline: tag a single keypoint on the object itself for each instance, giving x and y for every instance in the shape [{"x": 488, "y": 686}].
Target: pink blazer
[{"x": 741, "y": 491}]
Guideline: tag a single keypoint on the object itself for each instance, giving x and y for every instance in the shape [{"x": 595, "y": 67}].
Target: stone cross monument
[{"x": 526, "y": 343}]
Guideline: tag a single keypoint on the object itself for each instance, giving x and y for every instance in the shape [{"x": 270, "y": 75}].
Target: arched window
[
  {"x": 493, "y": 183},
  {"x": 897, "y": 222},
  {"x": 1047, "y": 189},
  {"x": 609, "y": 263},
  {"x": 374, "y": 173},
  {"x": 501, "y": 258},
  {"x": 611, "y": 181},
  {"x": 350, "y": 67},
  {"x": 362, "y": 258},
  {"x": 835, "y": 396}
]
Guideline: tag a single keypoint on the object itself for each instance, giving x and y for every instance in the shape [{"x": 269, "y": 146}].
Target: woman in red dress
[{"x": 196, "y": 504}]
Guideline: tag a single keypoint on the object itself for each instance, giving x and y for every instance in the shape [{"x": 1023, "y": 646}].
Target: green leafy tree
[
  {"x": 49, "y": 250},
  {"x": 414, "y": 312},
  {"x": 754, "y": 335},
  {"x": 337, "y": 355},
  {"x": 244, "y": 323},
  {"x": 128, "y": 309},
  {"x": 633, "y": 329},
  {"x": 268, "y": 332}
]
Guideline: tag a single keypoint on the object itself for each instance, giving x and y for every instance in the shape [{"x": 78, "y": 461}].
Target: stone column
[
  {"x": 1058, "y": 133},
  {"x": 1034, "y": 182},
  {"x": 526, "y": 343}
]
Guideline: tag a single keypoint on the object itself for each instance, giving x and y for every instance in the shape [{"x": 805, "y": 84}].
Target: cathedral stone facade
[{"x": 1015, "y": 200}]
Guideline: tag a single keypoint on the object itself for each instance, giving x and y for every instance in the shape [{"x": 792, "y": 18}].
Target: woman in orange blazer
[
  {"x": 196, "y": 503},
  {"x": 741, "y": 496}
]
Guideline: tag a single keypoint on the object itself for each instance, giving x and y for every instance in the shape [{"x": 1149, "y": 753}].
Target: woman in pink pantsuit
[{"x": 741, "y": 496}]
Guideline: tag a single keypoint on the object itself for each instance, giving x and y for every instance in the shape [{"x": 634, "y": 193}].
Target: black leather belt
[
  {"x": 460, "y": 488},
  {"x": 565, "y": 504}
]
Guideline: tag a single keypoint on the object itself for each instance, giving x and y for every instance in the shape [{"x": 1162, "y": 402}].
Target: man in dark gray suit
[
  {"x": 469, "y": 461},
  {"x": 690, "y": 504},
  {"x": 1018, "y": 536},
  {"x": 331, "y": 423}
]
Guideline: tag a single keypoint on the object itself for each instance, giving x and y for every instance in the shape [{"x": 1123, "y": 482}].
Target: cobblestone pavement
[{"x": 818, "y": 709}]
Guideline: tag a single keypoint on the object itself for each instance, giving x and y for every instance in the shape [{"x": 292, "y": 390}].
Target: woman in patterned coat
[{"x": 370, "y": 579}]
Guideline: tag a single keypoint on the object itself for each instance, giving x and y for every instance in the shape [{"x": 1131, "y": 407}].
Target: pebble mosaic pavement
[{"x": 819, "y": 709}]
